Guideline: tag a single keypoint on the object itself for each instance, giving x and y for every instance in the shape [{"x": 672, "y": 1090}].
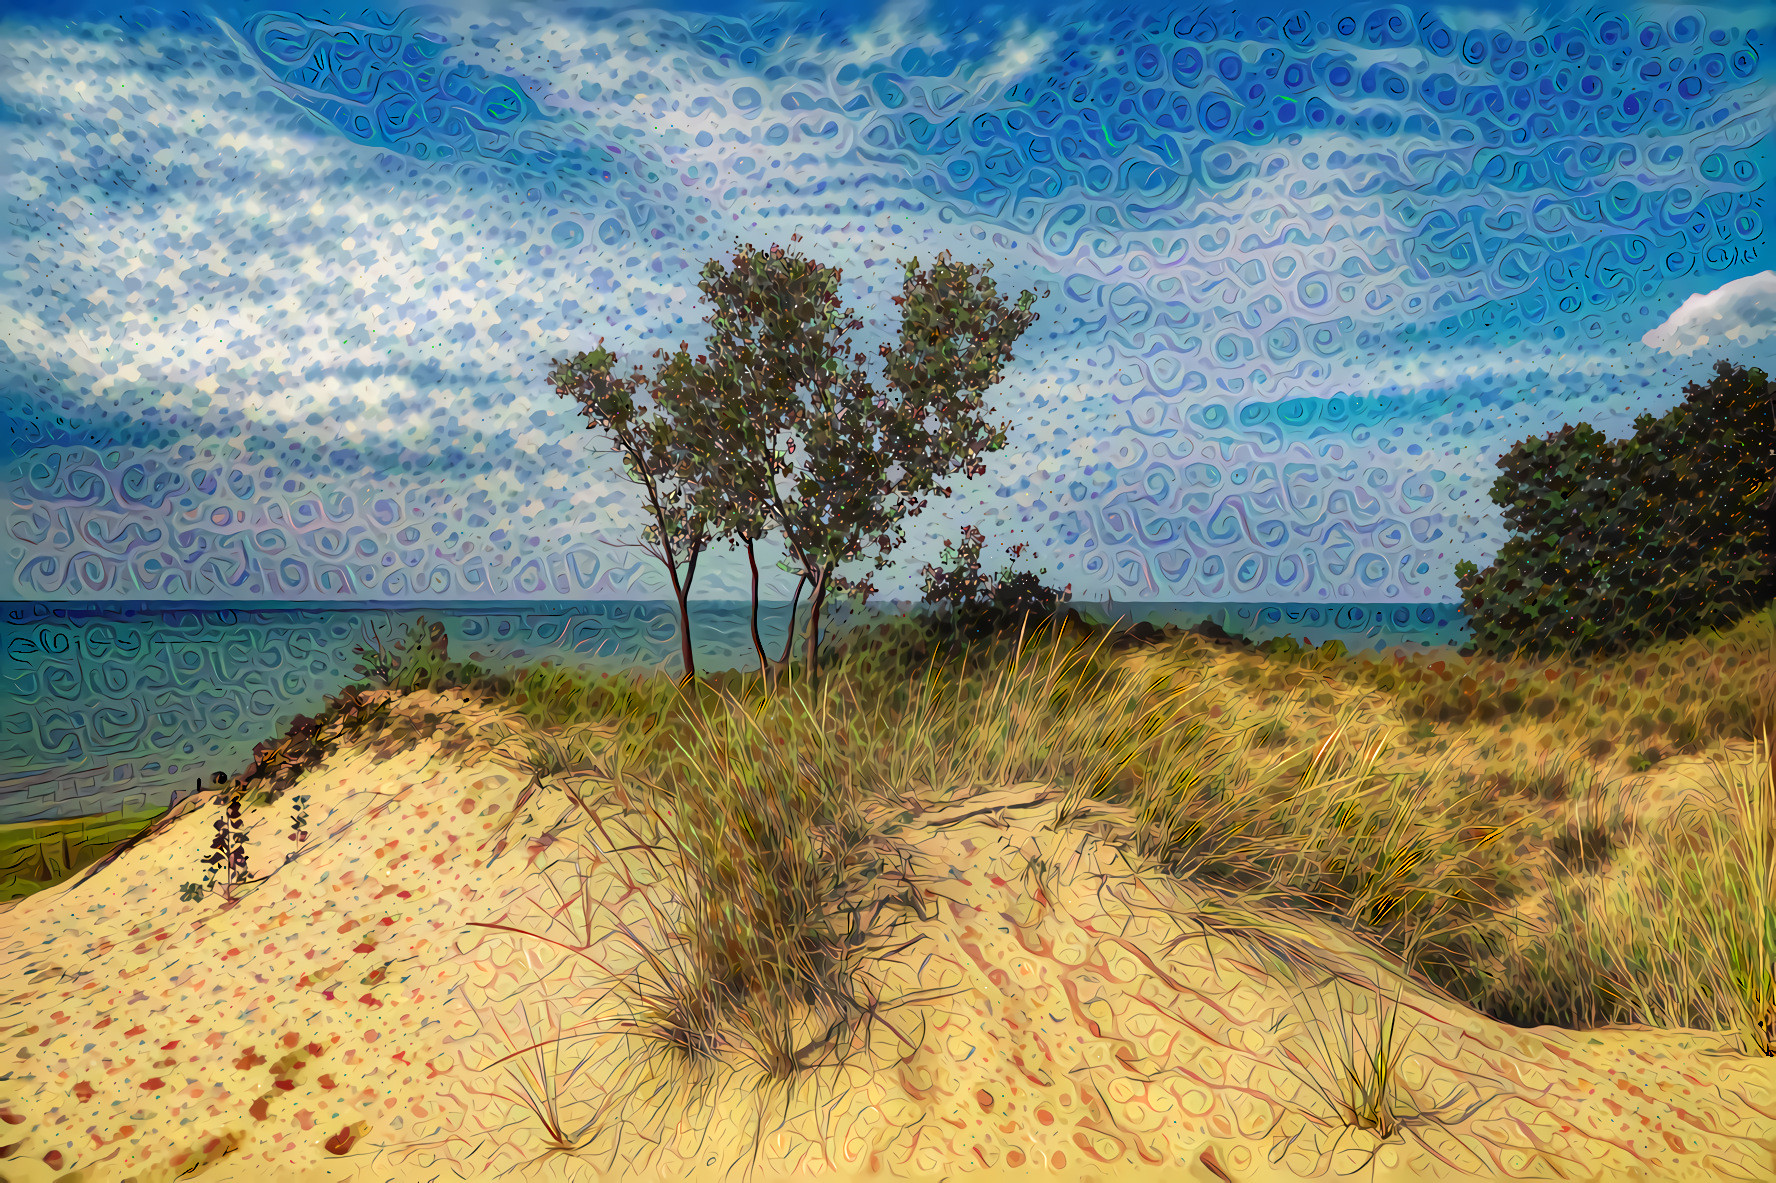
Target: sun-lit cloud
[{"x": 1737, "y": 313}]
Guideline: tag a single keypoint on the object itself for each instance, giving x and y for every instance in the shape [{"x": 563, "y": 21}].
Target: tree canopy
[
  {"x": 1620, "y": 544},
  {"x": 779, "y": 426}
]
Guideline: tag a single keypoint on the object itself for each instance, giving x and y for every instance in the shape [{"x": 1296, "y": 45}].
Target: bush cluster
[
  {"x": 420, "y": 661},
  {"x": 1621, "y": 544},
  {"x": 972, "y": 604}
]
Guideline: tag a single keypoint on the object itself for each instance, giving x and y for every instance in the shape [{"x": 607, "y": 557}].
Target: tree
[
  {"x": 872, "y": 459},
  {"x": 775, "y": 334},
  {"x": 1625, "y": 543},
  {"x": 658, "y": 455},
  {"x": 794, "y": 433}
]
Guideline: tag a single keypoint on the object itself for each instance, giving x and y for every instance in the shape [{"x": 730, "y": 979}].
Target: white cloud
[
  {"x": 1742, "y": 311},
  {"x": 1020, "y": 50}
]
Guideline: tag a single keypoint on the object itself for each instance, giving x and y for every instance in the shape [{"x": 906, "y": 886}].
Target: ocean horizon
[{"x": 127, "y": 704}]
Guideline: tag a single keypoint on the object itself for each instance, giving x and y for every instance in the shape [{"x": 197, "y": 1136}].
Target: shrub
[
  {"x": 1282, "y": 646},
  {"x": 1622, "y": 544},
  {"x": 420, "y": 661},
  {"x": 977, "y": 605},
  {"x": 277, "y": 764}
]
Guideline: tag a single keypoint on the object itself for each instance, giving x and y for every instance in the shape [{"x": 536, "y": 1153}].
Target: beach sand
[{"x": 1070, "y": 1017}]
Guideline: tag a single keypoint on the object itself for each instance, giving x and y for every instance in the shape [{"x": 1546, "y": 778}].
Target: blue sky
[{"x": 283, "y": 287}]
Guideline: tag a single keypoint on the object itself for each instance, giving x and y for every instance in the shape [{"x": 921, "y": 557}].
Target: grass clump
[
  {"x": 1684, "y": 934},
  {"x": 1362, "y": 1061}
]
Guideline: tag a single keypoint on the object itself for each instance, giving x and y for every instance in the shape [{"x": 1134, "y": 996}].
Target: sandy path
[{"x": 331, "y": 1025}]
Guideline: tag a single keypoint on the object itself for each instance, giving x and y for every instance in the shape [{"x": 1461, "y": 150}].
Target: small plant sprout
[{"x": 298, "y": 822}]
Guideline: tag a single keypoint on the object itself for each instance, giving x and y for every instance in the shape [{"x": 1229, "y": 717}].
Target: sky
[{"x": 283, "y": 286}]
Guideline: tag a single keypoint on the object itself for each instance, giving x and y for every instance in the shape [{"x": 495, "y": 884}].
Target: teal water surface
[{"x": 124, "y": 705}]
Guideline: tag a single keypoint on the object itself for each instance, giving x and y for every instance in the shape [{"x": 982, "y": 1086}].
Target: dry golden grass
[{"x": 1450, "y": 810}]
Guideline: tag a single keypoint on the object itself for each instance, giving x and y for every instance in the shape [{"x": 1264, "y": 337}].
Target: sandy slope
[{"x": 332, "y": 1024}]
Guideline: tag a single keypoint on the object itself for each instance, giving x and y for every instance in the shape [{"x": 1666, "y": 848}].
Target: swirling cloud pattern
[{"x": 282, "y": 289}]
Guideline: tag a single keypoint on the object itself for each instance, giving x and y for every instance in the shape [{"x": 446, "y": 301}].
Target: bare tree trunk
[
  {"x": 683, "y": 594},
  {"x": 812, "y": 644},
  {"x": 789, "y": 628},
  {"x": 758, "y": 645}
]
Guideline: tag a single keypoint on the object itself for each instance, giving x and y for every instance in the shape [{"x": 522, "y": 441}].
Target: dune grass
[
  {"x": 1483, "y": 822},
  {"x": 1438, "y": 805},
  {"x": 1682, "y": 933}
]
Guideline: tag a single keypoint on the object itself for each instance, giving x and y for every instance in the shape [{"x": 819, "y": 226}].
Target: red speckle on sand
[
  {"x": 260, "y": 1108},
  {"x": 53, "y": 1160},
  {"x": 83, "y": 1092},
  {"x": 342, "y": 1141},
  {"x": 154, "y": 1082}
]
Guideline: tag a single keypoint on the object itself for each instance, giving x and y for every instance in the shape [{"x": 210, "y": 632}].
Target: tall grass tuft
[
  {"x": 762, "y": 823},
  {"x": 1362, "y": 1059},
  {"x": 1747, "y": 942}
]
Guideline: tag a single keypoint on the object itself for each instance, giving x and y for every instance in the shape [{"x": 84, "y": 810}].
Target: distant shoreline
[{"x": 122, "y": 703}]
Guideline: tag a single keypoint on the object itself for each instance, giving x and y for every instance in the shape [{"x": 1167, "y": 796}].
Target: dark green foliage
[
  {"x": 778, "y": 426},
  {"x": 1621, "y": 544},
  {"x": 1289, "y": 648},
  {"x": 975, "y": 605}
]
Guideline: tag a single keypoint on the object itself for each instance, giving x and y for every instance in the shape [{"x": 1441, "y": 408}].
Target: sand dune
[{"x": 1070, "y": 1017}]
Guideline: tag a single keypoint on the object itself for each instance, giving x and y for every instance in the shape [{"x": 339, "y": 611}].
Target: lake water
[{"x": 121, "y": 705}]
